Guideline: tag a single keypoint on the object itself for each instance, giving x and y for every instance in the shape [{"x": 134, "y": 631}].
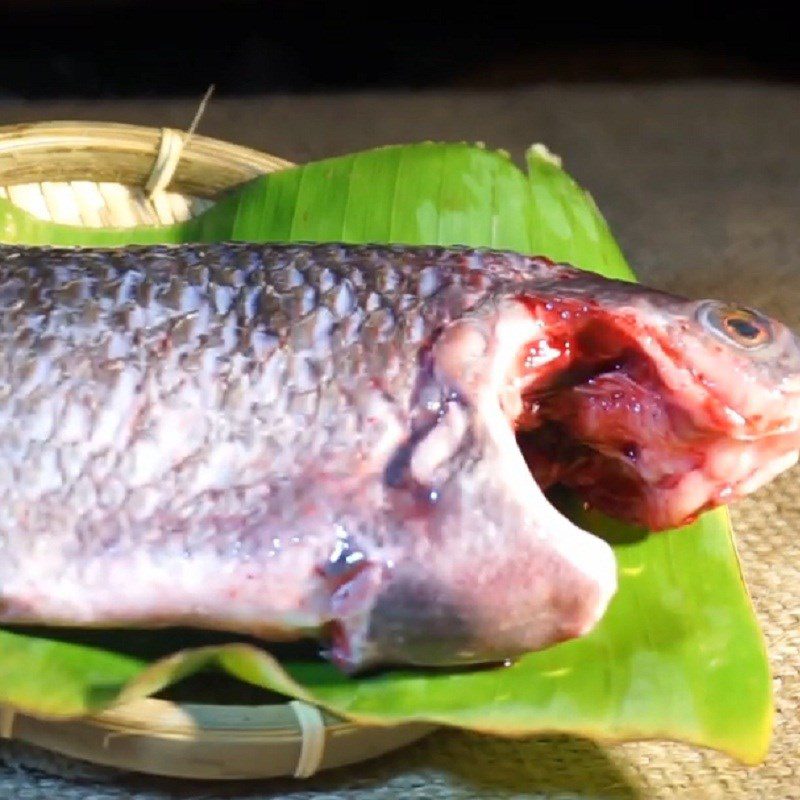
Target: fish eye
[{"x": 738, "y": 325}]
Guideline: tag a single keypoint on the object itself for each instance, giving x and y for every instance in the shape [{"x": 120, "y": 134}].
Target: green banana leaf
[{"x": 678, "y": 655}]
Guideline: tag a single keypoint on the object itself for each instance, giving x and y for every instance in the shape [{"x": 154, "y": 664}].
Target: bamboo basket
[{"x": 104, "y": 174}]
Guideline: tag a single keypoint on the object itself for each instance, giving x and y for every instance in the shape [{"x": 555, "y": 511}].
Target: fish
[{"x": 357, "y": 443}]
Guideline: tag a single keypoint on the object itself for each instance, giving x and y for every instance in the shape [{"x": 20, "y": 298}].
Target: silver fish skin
[{"x": 353, "y": 441}]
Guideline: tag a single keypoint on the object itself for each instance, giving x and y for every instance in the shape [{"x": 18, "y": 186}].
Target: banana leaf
[{"x": 678, "y": 655}]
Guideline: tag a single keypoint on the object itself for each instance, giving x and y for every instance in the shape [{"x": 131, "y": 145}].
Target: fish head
[{"x": 652, "y": 408}]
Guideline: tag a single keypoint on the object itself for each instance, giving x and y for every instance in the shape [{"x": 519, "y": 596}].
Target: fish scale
[{"x": 287, "y": 440}]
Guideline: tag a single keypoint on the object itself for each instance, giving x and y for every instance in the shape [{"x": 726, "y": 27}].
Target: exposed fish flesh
[{"x": 353, "y": 441}]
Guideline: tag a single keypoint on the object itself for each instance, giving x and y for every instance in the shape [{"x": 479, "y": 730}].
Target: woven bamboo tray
[{"x": 96, "y": 174}]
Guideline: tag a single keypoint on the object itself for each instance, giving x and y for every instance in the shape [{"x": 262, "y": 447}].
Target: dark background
[{"x": 118, "y": 48}]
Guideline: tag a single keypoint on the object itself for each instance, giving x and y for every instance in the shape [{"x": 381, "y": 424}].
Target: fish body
[{"x": 354, "y": 441}]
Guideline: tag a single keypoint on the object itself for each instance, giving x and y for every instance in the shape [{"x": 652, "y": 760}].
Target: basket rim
[{"x": 113, "y": 151}]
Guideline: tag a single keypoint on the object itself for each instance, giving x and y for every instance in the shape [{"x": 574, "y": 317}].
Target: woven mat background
[{"x": 702, "y": 185}]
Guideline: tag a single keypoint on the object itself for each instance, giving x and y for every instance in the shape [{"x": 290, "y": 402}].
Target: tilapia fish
[{"x": 353, "y": 442}]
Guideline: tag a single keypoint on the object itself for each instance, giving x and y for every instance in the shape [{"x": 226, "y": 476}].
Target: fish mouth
[{"x": 601, "y": 418}]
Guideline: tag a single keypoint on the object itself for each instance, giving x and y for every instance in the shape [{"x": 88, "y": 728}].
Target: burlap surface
[{"x": 702, "y": 185}]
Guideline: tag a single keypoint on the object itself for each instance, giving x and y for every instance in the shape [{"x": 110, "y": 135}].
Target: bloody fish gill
[{"x": 355, "y": 440}]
